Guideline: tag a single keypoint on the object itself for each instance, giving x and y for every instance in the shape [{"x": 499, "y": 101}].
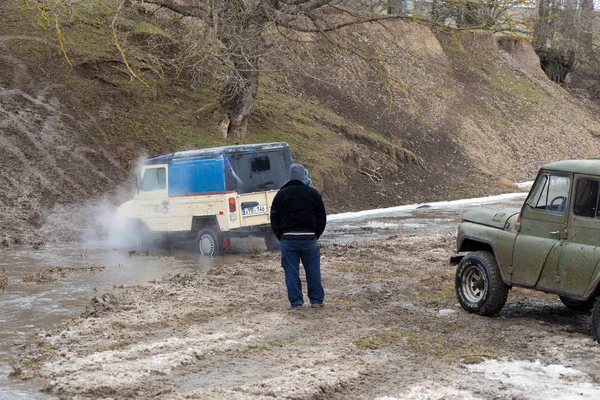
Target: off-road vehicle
[
  {"x": 551, "y": 244},
  {"x": 209, "y": 195}
]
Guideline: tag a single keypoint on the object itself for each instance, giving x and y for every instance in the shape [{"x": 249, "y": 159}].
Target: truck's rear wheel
[
  {"x": 596, "y": 321},
  {"x": 479, "y": 286},
  {"x": 208, "y": 242},
  {"x": 577, "y": 305}
]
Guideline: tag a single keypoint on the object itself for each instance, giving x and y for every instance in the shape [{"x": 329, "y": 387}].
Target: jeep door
[
  {"x": 153, "y": 197},
  {"x": 543, "y": 221},
  {"x": 580, "y": 254}
]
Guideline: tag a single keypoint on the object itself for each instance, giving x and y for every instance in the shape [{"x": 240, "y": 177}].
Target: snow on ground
[
  {"x": 436, "y": 205},
  {"x": 531, "y": 380},
  {"x": 538, "y": 380},
  {"x": 524, "y": 185}
]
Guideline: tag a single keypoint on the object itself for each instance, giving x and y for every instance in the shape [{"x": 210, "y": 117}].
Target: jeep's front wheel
[
  {"x": 479, "y": 286},
  {"x": 208, "y": 242}
]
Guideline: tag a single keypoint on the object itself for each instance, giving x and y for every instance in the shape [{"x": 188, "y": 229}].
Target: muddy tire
[
  {"x": 479, "y": 286},
  {"x": 272, "y": 242},
  {"x": 596, "y": 321},
  {"x": 208, "y": 242},
  {"x": 577, "y": 305}
]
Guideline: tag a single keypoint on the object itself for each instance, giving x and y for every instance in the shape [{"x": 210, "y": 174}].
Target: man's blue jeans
[{"x": 307, "y": 250}]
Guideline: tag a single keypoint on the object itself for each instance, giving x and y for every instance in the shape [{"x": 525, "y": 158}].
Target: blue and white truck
[{"x": 211, "y": 194}]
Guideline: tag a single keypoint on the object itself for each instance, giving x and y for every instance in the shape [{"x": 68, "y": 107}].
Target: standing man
[{"x": 298, "y": 219}]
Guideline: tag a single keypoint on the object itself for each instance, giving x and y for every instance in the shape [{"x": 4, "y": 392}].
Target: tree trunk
[
  {"x": 243, "y": 38},
  {"x": 240, "y": 97}
]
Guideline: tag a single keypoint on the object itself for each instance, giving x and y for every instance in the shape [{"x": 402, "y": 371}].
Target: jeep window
[
  {"x": 260, "y": 164},
  {"x": 536, "y": 192},
  {"x": 558, "y": 194},
  {"x": 154, "y": 179},
  {"x": 550, "y": 193},
  {"x": 586, "y": 198}
]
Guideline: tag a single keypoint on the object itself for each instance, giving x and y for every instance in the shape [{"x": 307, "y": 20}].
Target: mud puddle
[
  {"x": 87, "y": 271},
  {"x": 78, "y": 273}
]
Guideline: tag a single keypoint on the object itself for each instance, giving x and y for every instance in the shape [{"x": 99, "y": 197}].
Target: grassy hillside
[{"x": 441, "y": 117}]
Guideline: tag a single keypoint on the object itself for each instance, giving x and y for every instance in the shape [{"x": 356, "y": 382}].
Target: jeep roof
[
  {"x": 215, "y": 151},
  {"x": 589, "y": 166}
]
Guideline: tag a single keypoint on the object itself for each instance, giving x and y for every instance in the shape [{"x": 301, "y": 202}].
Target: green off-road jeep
[{"x": 552, "y": 244}]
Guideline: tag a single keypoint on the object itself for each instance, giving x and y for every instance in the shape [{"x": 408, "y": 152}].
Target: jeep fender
[
  {"x": 497, "y": 241},
  {"x": 593, "y": 289},
  {"x": 205, "y": 221}
]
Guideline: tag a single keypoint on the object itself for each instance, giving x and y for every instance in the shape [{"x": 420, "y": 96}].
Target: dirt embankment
[
  {"x": 407, "y": 116},
  {"x": 391, "y": 328},
  {"x": 475, "y": 107},
  {"x": 49, "y": 155}
]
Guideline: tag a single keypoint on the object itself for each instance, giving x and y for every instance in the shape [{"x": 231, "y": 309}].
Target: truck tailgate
[{"x": 255, "y": 207}]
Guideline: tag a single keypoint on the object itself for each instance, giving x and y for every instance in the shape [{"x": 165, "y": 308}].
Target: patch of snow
[
  {"x": 524, "y": 185},
  {"x": 412, "y": 225},
  {"x": 538, "y": 381},
  {"x": 380, "y": 225},
  {"x": 437, "y": 205},
  {"x": 446, "y": 312},
  {"x": 422, "y": 392},
  {"x": 370, "y": 224},
  {"x": 503, "y": 379}
]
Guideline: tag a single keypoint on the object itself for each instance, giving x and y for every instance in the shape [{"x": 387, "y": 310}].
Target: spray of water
[{"x": 98, "y": 222}]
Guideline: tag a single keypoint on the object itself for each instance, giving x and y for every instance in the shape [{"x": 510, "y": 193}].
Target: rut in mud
[{"x": 391, "y": 328}]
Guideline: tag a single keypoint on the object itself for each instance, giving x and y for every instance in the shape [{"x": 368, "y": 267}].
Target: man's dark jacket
[{"x": 298, "y": 208}]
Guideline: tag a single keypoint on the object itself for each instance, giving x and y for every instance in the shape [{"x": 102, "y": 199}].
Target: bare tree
[
  {"x": 564, "y": 33},
  {"x": 237, "y": 34}
]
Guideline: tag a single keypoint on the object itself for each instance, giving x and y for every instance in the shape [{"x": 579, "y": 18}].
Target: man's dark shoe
[
  {"x": 318, "y": 305},
  {"x": 293, "y": 308}
]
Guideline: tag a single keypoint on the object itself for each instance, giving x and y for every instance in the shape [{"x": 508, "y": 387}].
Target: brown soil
[
  {"x": 391, "y": 328},
  {"x": 478, "y": 110},
  {"x": 49, "y": 154}
]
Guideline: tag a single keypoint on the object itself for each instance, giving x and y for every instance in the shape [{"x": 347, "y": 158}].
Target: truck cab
[
  {"x": 210, "y": 194},
  {"x": 551, "y": 244}
]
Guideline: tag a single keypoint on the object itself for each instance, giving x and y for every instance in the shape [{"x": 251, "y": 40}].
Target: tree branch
[
  {"x": 335, "y": 27},
  {"x": 186, "y": 11},
  {"x": 313, "y": 5}
]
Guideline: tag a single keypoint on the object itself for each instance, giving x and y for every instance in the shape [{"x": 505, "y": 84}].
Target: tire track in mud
[
  {"x": 391, "y": 329},
  {"x": 195, "y": 360}
]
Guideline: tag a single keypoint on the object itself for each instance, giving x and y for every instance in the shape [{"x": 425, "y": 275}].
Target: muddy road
[{"x": 391, "y": 329}]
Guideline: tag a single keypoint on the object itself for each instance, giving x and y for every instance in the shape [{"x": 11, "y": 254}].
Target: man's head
[{"x": 297, "y": 172}]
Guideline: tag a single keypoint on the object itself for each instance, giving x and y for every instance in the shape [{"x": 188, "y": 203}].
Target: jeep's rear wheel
[
  {"x": 208, "y": 242},
  {"x": 479, "y": 286},
  {"x": 577, "y": 305},
  {"x": 596, "y": 321}
]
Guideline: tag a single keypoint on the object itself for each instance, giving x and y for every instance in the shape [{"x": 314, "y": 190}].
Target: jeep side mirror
[{"x": 138, "y": 182}]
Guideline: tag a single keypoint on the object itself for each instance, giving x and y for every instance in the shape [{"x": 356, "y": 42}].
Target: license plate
[{"x": 254, "y": 210}]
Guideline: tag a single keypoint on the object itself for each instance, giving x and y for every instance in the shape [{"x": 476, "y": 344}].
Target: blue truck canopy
[{"x": 242, "y": 168}]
